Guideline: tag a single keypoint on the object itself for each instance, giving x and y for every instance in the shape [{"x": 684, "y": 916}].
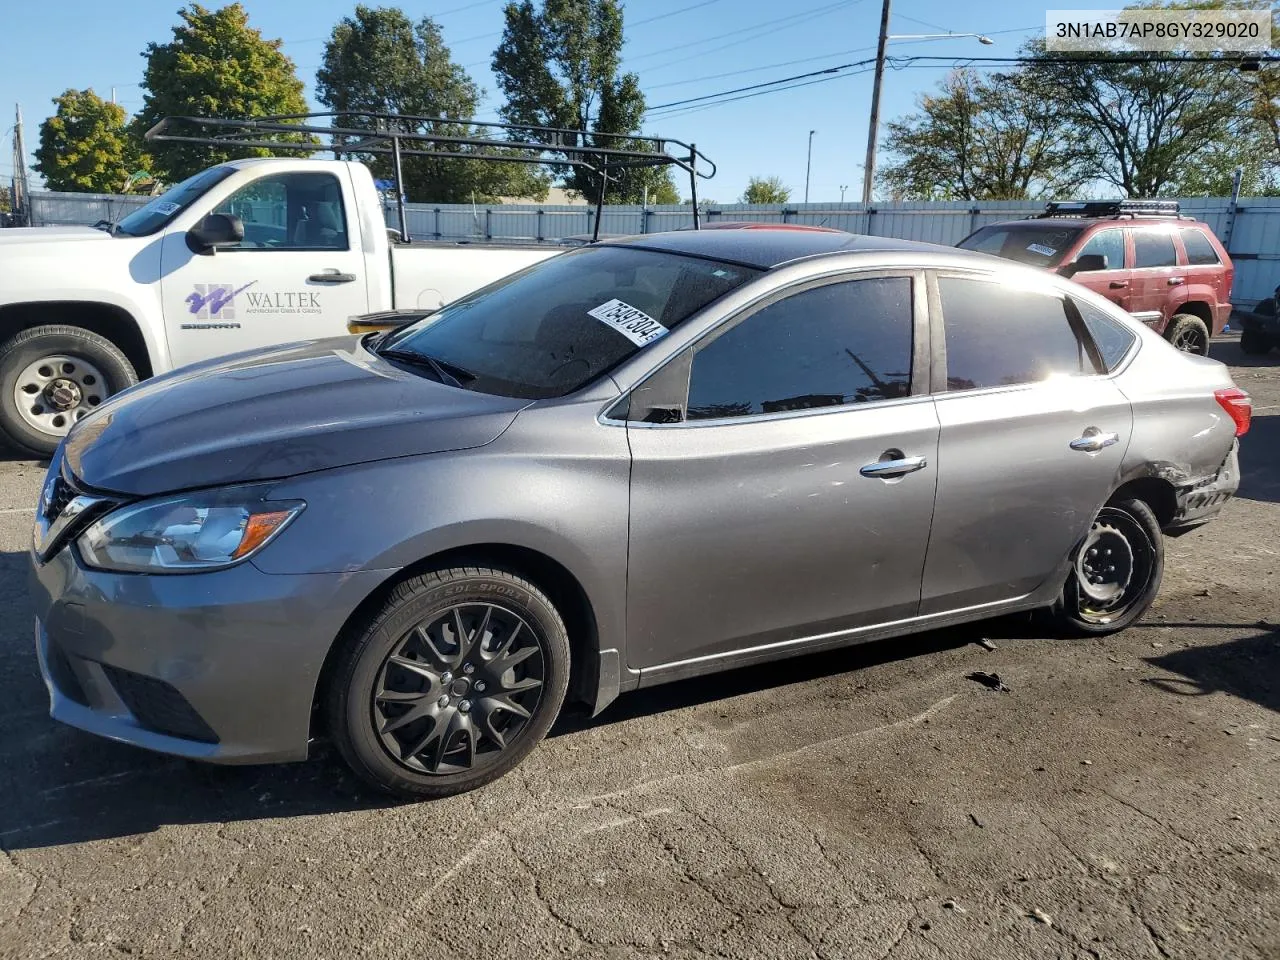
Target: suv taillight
[{"x": 1238, "y": 406}]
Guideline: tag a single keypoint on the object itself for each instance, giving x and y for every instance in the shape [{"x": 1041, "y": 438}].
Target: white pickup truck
[{"x": 242, "y": 255}]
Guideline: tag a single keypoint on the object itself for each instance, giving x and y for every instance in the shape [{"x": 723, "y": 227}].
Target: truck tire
[
  {"x": 1255, "y": 342},
  {"x": 52, "y": 376},
  {"x": 1189, "y": 334}
]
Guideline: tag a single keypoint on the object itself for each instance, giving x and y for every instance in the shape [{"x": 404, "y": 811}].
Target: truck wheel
[
  {"x": 1189, "y": 334},
  {"x": 1255, "y": 342},
  {"x": 52, "y": 376}
]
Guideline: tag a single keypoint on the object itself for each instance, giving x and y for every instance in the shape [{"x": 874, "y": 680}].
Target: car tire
[
  {"x": 1255, "y": 342},
  {"x": 1126, "y": 532},
  {"x": 450, "y": 683},
  {"x": 1266, "y": 308},
  {"x": 1189, "y": 334},
  {"x": 52, "y": 375}
]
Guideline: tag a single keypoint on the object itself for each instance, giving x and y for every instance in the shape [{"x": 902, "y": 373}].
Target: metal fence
[{"x": 1250, "y": 231}]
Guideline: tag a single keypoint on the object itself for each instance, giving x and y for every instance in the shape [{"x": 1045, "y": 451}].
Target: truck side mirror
[
  {"x": 215, "y": 230},
  {"x": 1086, "y": 264}
]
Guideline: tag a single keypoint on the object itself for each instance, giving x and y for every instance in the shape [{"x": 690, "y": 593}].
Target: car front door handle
[
  {"x": 1118, "y": 284},
  {"x": 331, "y": 276},
  {"x": 897, "y": 467},
  {"x": 1175, "y": 281},
  {"x": 1094, "y": 440}
]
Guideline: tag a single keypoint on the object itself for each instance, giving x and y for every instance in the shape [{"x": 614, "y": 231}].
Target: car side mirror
[
  {"x": 1086, "y": 264},
  {"x": 215, "y": 230}
]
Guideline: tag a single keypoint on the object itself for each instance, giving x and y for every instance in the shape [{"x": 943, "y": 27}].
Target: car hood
[
  {"x": 29, "y": 235},
  {"x": 275, "y": 413}
]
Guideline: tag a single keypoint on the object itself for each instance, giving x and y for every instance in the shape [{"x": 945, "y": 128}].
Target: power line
[
  {"x": 780, "y": 22},
  {"x": 685, "y": 111},
  {"x": 759, "y": 86},
  {"x": 672, "y": 13}
]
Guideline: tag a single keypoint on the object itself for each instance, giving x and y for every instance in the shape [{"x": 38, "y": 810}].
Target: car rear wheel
[
  {"x": 1115, "y": 573},
  {"x": 451, "y": 684},
  {"x": 1255, "y": 342},
  {"x": 51, "y": 377},
  {"x": 1189, "y": 334}
]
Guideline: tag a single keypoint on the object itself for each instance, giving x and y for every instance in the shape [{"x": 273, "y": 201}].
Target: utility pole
[
  {"x": 808, "y": 165},
  {"x": 869, "y": 171},
  {"x": 21, "y": 198}
]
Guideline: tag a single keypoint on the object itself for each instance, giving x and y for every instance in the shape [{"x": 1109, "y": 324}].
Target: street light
[
  {"x": 808, "y": 165},
  {"x": 869, "y": 170},
  {"x": 843, "y": 188}
]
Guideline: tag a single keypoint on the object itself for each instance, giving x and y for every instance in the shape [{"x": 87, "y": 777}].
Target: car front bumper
[{"x": 219, "y": 666}]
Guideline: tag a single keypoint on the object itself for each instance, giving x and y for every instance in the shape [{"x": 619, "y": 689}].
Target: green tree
[
  {"x": 378, "y": 61},
  {"x": 215, "y": 66},
  {"x": 1150, "y": 127},
  {"x": 86, "y": 145},
  {"x": 982, "y": 138},
  {"x": 766, "y": 190},
  {"x": 560, "y": 66},
  {"x": 6, "y": 205}
]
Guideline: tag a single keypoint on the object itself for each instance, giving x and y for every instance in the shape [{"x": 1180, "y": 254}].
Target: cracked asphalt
[{"x": 1119, "y": 802}]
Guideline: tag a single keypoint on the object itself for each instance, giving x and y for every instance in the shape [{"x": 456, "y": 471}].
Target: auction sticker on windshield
[
  {"x": 1041, "y": 249},
  {"x": 632, "y": 322}
]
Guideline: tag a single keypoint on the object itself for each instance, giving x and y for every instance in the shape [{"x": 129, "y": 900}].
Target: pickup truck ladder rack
[{"x": 406, "y": 136}]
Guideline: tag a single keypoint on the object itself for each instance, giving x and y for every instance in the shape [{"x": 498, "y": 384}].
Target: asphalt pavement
[{"x": 1119, "y": 801}]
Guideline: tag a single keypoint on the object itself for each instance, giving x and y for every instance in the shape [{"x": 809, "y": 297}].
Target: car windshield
[
  {"x": 147, "y": 220},
  {"x": 1039, "y": 244},
  {"x": 556, "y": 326}
]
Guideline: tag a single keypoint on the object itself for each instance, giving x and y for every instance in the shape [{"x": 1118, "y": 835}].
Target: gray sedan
[{"x": 638, "y": 461}]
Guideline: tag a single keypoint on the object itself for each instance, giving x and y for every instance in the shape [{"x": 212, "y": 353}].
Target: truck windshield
[
  {"x": 147, "y": 220},
  {"x": 1038, "y": 243},
  {"x": 556, "y": 326}
]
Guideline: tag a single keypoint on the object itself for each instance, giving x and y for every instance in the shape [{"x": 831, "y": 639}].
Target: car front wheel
[
  {"x": 1255, "y": 342},
  {"x": 451, "y": 684},
  {"x": 1115, "y": 573}
]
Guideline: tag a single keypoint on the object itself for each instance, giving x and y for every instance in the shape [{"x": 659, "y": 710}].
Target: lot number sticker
[
  {"x": 1041, "y": 249},
  {"x": 632, "y": 322}
]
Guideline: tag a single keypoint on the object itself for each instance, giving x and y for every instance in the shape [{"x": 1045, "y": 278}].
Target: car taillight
[{"x": 1238, "y": 406}]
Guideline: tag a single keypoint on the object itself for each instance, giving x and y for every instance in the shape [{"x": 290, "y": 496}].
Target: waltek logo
[{"x": 215, "y": 301}]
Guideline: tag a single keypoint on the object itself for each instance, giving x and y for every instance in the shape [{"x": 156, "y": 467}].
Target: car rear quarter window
[
  {"x": 998, "y": 335},
  {"x": 1153, "y": 248},
  {"x": 1200, "y": 251},
  {"x": 1112, "y": 338},
  {"x": 841, "y": 343}
]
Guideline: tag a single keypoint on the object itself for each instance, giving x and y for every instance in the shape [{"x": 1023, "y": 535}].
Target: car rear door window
[
  {"x": 841, "y": 343},
  {"x": 1108, "y": 244},
  {"x": 1112, "y": 338},
  {"x": 999, "y": 336},
  {"x": 1200, "y": 251},
  {"x": 1153, "y": 248}
]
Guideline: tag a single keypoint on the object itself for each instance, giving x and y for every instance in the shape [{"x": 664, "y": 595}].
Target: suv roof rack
[
  {"x": 356, "y": 134},
  {"x": 1111, "y": 209}
]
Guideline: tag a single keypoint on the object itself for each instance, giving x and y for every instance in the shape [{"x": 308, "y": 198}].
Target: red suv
[{"x": 1168, "y": 270}]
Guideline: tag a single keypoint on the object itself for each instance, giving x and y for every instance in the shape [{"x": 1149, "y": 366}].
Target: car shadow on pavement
[
  {"x": 1247, "y": 667},
  {"x": 1260, "y": 460}
]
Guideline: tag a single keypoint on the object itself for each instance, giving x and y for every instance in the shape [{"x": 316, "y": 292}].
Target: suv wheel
[
  {"x": 1189, "y": 334},
  {"x": 1255, "y": 342},
  {"x": 1116, "y": 572},
  {"x": 456, "y": 678}
]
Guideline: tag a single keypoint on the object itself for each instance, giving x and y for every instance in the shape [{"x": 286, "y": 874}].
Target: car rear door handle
[
  {"x": 1118, "y": 284},
  {"x": 1175, "y": 281},
  {"x": 331, "y": 276},
  {"x": 900, "y": 466},
  {"x": 1094, "y": 440}
]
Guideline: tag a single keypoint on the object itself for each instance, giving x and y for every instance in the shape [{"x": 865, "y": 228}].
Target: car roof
[
  {"x": 765, "y": 249},
  {"x": 1046, "y": 223}
]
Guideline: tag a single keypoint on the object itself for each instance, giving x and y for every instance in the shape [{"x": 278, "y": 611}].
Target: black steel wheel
[
  {"x": 1116, "y": 571},
  {"x": 452, "y": 684},
  {"x": 1189, "y": 334},
  {"x": 1256, "y": 343}
]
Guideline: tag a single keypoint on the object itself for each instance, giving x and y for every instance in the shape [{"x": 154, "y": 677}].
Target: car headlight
[{"x": 186, "y": 533}]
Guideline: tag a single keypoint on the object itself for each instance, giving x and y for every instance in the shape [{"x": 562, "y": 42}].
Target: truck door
[
  {"x": 1114, "y": 281},
  {"x": 1155, "y": 275},
  {"x": 298, "y": 274}
]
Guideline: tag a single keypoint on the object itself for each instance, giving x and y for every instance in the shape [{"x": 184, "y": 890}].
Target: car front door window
[
  {"x": 842, "y": 343},
  {"x": 289, "y": 211},
  {"x": 1108, "y": 244}
]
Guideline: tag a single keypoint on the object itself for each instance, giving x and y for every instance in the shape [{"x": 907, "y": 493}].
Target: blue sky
[{"x": 687, "y": 48}]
